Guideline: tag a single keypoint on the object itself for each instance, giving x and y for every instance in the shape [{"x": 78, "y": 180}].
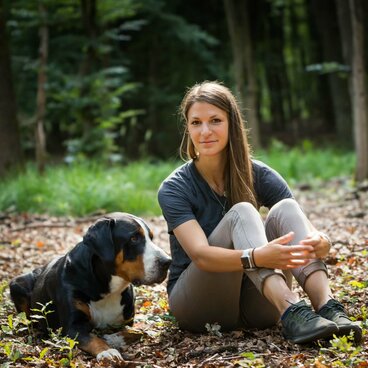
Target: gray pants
[{"x": 234, "y": 299}]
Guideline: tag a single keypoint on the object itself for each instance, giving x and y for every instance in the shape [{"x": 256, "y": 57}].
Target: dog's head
[{"x": 124, "y": 243}]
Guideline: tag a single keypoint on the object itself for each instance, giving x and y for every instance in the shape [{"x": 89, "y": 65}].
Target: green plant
[
  {"x": 344, "y": 352},
  {"x": 249, "y": 359},
  {"x": 62, "y": 344},
  {"x": 42, "y": 313},
  {"x": 86, "y": 187},
  {"x": 307, "y": 163},
  {"x": 214, "y": 329},
  {"x": 3, "y": 287},
  {"x": 11, "y": 351}
]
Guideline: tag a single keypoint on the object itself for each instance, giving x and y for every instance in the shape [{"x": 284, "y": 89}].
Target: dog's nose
[{"x": 165, "y": 262}]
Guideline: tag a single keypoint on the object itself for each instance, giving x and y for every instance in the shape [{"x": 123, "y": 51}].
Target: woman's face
[{"x": 208, "y": 128}]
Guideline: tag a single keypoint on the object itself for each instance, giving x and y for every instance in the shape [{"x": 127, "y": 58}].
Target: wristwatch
[
  {"x": 247, "y": 260},
  {"x": 326, "y": 237}
]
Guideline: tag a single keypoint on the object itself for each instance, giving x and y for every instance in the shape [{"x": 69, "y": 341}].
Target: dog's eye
[{"x": 134, "y": 238}]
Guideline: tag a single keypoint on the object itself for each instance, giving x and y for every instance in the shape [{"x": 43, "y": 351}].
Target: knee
[
  {"x": 244, "y": 208},
  {"x": 286, "y": 206}
]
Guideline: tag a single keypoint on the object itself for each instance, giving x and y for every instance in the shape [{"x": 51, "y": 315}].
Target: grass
[
  {"x": 307, "y": 164},
  {"x": 84, "y": 188}
]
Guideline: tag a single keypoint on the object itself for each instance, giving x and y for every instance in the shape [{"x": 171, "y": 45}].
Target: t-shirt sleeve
[
  {"x": 270, "y": 186},
  {"x": 175, "y": 204}
]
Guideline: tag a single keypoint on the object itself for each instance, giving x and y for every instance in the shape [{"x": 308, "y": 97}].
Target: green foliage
[
  {"x": 89, "y": 109},
  {"x": 344, "y": 352},
  {"x": 3, "y": 286},
  {"x": 213, "y": 329},
  {"x": 84, "y": 188},
  {"x": 56, "y": 343},
  {"x": 87, "y": 79},
  {"x": 308, "y": 164},
  {"x": 328, "y": 67},
  {"x": 249, "y": 359}
]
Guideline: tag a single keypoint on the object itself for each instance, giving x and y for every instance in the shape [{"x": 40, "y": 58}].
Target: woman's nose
[{"x": 206, "y": 128}]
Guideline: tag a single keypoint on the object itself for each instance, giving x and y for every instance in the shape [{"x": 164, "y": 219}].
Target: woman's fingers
[
  {"x": 312, "y": 240},
  {"x": 284, "y": 239},
  {"x": 298, "y": 255},
  {"x": 296, "y": 249}
]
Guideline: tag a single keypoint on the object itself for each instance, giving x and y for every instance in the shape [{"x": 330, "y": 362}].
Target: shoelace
[
  {"x": 304, "y": 312},
  {"x": 335, "y": 307}
]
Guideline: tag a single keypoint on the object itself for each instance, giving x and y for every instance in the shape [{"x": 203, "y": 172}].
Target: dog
[{"x": 91, "y": 286}]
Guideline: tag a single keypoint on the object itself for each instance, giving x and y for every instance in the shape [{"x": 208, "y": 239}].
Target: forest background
[
  {"x": 103, "y": 79},
  {"x": 89, "y": 92}
]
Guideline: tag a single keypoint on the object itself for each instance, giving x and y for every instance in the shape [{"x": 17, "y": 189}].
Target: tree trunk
[
  {"x": 89, "y": 62},
  {"x": 328, "y": 30},
  {"x": 11, "y": 153},
  {"x": 237, "y": 15},
  {"x": 359, "y": 95},
  {"x": 343, "y": 15},
  {"x": 41, "y": 91},
  {"x": 275, "y": 70}
]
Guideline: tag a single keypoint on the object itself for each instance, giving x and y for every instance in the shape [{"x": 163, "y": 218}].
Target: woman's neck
[{"x": 212, "y": 170}]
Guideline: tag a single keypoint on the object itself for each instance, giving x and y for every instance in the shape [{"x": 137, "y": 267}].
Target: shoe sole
[
  {"x": 324, "y": 334},
  {"x": 345, "y": 330}
]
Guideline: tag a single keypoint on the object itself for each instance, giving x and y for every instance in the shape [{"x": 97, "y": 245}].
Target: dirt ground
[{"x": 28, "y": 240}]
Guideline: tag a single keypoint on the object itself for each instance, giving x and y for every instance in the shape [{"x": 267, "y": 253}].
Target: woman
[{"x": 225, "y": 260}]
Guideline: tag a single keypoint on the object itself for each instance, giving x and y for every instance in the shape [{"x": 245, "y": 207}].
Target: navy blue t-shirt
[{"x": 185, "y": 195}]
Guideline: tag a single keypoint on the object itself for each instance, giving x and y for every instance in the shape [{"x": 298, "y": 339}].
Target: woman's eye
[
  {"x": 216, "y": 121},
  {"x": 195, "y": 122}
]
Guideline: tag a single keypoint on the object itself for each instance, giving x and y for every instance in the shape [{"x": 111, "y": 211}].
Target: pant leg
[
  {"x": 286, "y": 216},
  {"x": 201, "y": 297}
]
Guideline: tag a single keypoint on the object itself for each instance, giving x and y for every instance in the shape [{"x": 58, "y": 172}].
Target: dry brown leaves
[{"x": 27, "y": 241}]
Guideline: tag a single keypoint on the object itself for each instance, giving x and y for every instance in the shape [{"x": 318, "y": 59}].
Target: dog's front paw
[
  {"x": 109, "y": 354},
  {"x": 115, "y": 340}
]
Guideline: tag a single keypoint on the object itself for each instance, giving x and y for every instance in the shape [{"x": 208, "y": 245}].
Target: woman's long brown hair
[{"x": 238, "y": 170}]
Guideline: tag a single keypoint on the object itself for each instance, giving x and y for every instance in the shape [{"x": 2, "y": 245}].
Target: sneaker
[
  {"x": 334, "y": 311},
  {"x": 301, "y": 325}
]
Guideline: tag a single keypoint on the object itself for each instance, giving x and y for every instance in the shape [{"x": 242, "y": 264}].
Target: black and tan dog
[{"x": 92, "y": 285}]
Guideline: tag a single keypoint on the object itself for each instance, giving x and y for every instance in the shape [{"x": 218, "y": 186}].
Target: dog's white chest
[{"x": 108, "y": 312}]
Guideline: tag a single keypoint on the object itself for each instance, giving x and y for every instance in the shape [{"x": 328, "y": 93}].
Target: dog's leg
[
  {"x": 21, "y": 291},
  {"x": 120, "y": 339},
  {"x": 100, "y": 349}
]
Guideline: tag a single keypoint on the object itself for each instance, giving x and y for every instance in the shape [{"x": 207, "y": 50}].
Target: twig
[
  {"x": 216, "y": 350},
  {"x": 274, "y": 345},
  {"x": 213, "y": 357}
]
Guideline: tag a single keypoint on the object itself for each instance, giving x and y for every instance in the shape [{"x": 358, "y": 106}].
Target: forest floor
[{"x": 27, "y": 241}]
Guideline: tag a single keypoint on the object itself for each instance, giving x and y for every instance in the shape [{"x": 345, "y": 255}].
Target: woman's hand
[
  {"x": 276, "y": 254},
  {"x": 320, "y": 244}
]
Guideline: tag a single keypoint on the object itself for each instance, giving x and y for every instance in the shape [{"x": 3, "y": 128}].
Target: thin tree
[
  {"x": 41, "y": 90},
  {"x": 359, "y": 91},
  {"x": 10, "y": 146}
]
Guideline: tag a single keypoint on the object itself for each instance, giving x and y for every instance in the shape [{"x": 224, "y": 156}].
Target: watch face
[{"x": 246, "y": 262}]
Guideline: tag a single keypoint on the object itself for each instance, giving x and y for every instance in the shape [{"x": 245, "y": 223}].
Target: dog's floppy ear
[{"x": 99, "y": 238}]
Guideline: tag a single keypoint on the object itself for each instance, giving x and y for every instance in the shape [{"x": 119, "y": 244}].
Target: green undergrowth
[
  {"x": 88, "y": 187},
  {"x": 85, "y": 188},
  {"x": 308, "y": 164}
]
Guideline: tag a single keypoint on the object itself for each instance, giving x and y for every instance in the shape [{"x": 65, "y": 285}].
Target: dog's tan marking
[
  {"x": 83, "y": 307},
  {"x": 129, "y": 270},
  {"x": 94, "y": 346},
  {"x": 150, "y": 234},
  {"x": 22, "y": 305},
  {"x": 141, "y": 231}
]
